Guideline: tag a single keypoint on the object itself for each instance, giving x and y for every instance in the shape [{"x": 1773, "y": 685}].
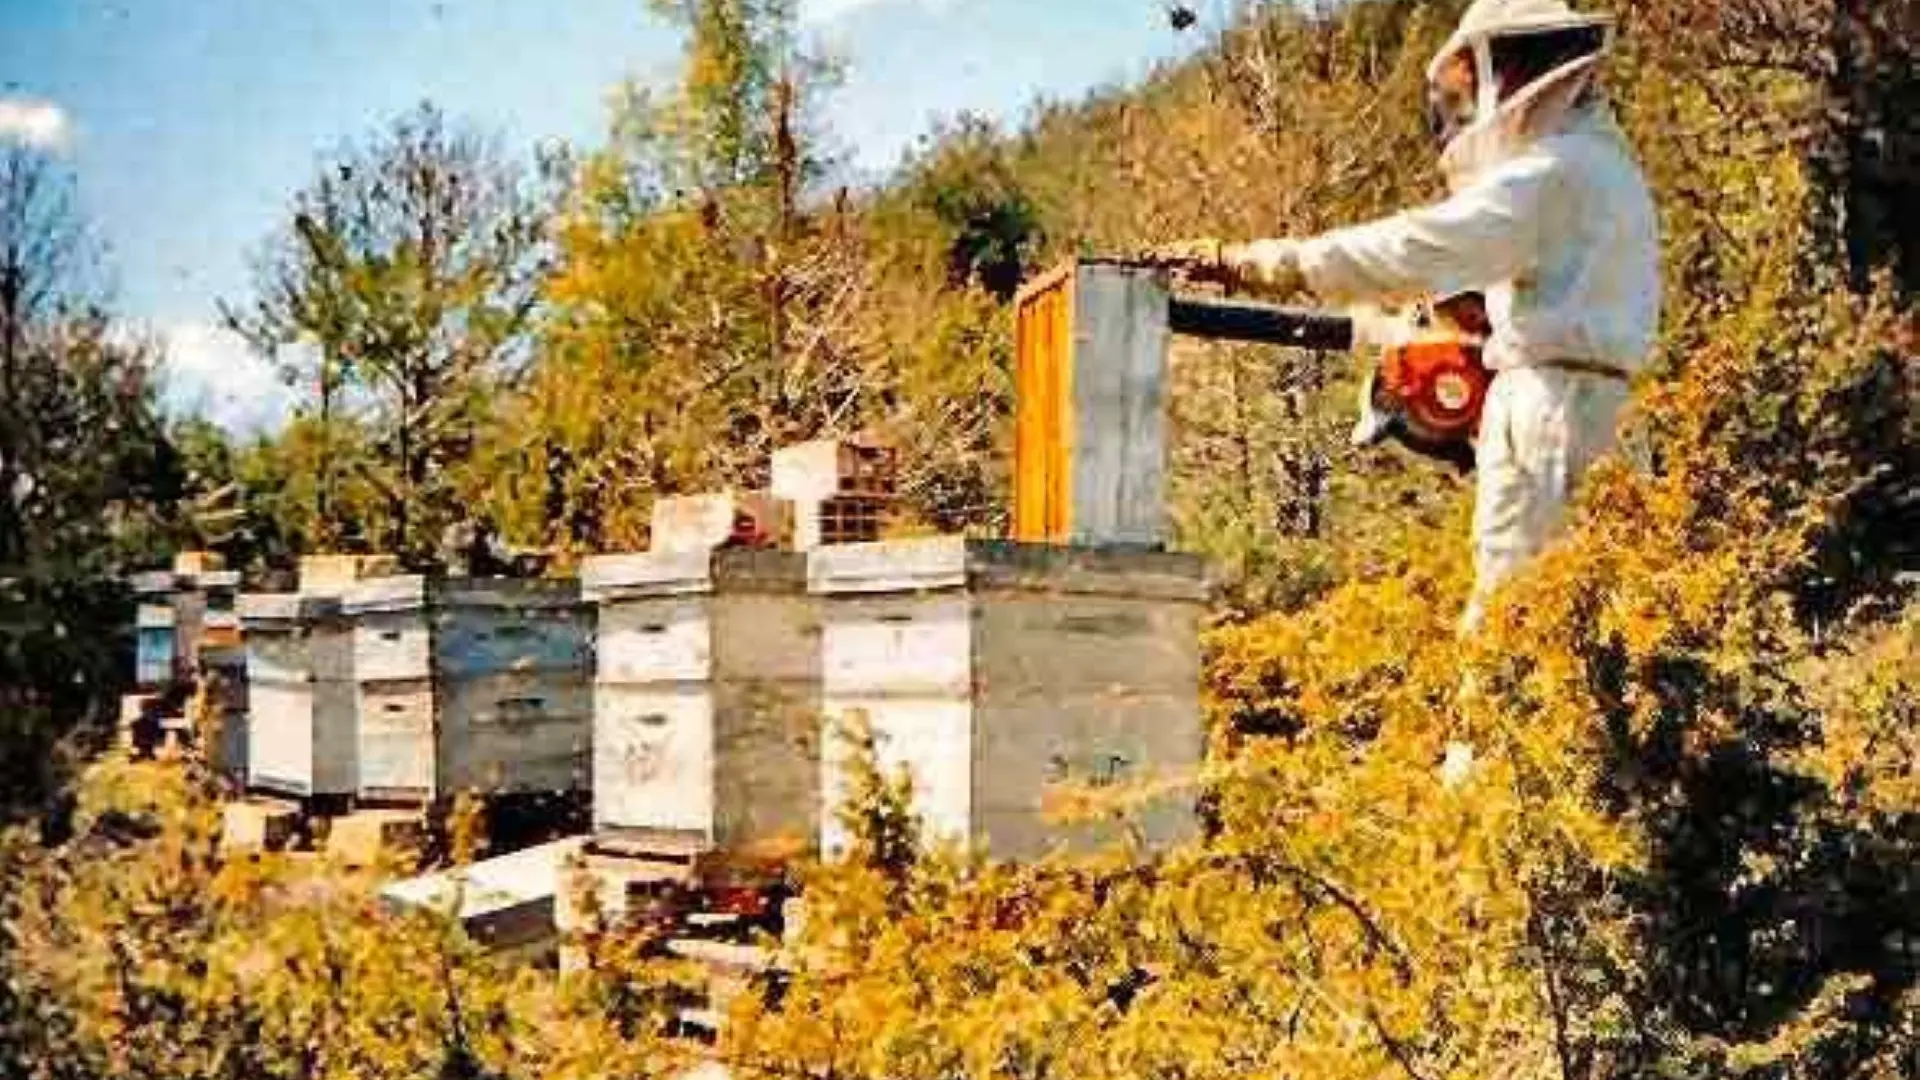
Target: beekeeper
[{"x": 1550, "y": 217}]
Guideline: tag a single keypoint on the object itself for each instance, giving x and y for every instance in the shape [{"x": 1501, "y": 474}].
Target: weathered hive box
[
  {"x": 707, "y": 697},
  {"x": 154, "y": 638},
  {"x": 203, "y": 609},
  {"x": 1000, "y": 676},
  {"x": 301, "y": 696},
  {"x": 1090, "y": 421},
  {"x": 478, "y": 686},
  {"x": 224, "y": 683}
]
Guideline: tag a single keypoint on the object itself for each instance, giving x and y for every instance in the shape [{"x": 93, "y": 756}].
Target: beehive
[
  {"x": 300, "y": 696},
  {"x": 203, "y": 609},
  {"x": 1089, "y": 426},
  {"x": 1000, "y": 676},
  {"x": 706, "y": 701},
  {"x": 154, "y": 637},
  {"x": 224, "y": 682},
  {"x": 475, "y": 686}
]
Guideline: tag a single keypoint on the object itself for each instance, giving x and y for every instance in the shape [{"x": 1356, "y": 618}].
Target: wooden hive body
[
  {"x": 998, "y": 675},
  {"x": 479, "y": 686},
  {"x": 300, "y": 696},
  {"x": 1090, "y": 421},
  {"x": 223, "y": 675},
  {"x": 707, "y": 698},
  {"x": 154, "y": 643}
]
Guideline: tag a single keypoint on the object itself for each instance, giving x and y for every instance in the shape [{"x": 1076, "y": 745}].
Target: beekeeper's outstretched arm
[{"x": 1484, "y": 234}]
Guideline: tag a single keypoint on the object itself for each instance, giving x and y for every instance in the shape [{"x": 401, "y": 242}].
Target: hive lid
[
  {"x": 492, "y": 885},
  {"x": 414, "y": 592},
  {"x": 952, "y": 562},
  {"x": 149, "y": 616},
  {"x": 689, "y": 573},
  {"x": 220, "y": 579},
  {"x": 154, "y": 582},
  {"x": 258, "y": 609}
]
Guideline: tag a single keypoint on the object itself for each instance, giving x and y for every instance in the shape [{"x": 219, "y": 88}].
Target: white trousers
[{"x": 1542, "y": 429}]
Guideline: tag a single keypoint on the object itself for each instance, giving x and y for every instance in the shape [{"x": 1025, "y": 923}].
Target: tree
[
  {"x": 88, "y": 479},
  {"x": 404, "y": 281}
]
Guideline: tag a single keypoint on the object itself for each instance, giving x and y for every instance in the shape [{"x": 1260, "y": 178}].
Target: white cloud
[
  {"x": 210, "y": 372},
  {"x": 826, "y": 11},
  {"x": 36, "y": 123}
]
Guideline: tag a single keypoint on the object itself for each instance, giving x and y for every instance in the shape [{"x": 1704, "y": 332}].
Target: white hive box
[
  {"x": 707, "y": 697},
  {"x": 300, "y": 696},
  {"x": 999, "y": 675},
  {"x": 479, "y": 686}
]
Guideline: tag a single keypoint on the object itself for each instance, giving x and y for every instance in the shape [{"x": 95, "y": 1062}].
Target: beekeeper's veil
[{"x": 1532, "y": 61}]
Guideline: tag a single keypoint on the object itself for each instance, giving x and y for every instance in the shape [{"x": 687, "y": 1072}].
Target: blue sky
[{"x": 191, "y": 121}]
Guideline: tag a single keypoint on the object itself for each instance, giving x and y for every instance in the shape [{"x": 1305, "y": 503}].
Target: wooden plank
[
  {"x": 1058, "y": 416},
  {"x": 1028, "y": 444}
]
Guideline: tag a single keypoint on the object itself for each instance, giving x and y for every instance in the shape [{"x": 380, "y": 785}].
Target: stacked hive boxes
[
  {"x": 707, "y": 697},
  {"x": 220, "y": 666},
  {"x": 154, "y": 629},
  {"x": 1001, "y": 675},
  {"x": 301, "y": 689},
  {"x": 475, "y": 686}
]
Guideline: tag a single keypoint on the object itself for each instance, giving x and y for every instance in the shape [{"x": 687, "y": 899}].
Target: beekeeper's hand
[
  {"x": 1267, "y": 266},
  {"x": 1194, "y": 260}
]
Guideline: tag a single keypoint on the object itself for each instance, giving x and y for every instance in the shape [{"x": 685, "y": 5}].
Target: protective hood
[
  {"x": 1503, "y": 129},
  {"x": 1489, "y": 19}
]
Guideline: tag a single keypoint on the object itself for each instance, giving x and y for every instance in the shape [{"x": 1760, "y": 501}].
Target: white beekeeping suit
[{"x": 1551, "y": 218}]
